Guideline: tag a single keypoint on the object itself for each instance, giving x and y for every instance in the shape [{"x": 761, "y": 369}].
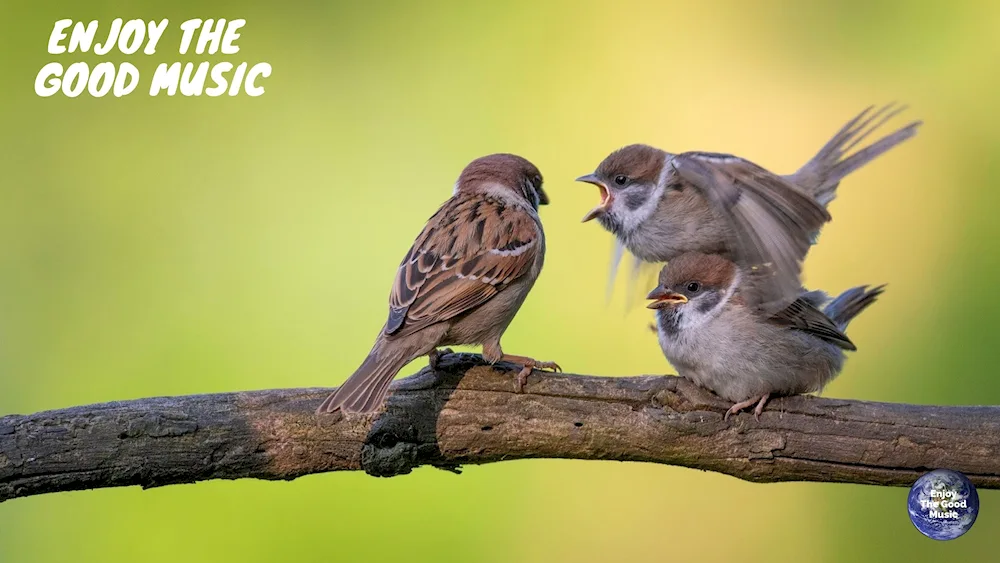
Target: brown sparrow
[
  {"x": 661, "y": 205},
  {"x": 710, "y": 335},
  {"x": 462, "y": 281}
]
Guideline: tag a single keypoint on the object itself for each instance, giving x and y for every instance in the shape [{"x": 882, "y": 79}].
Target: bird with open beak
[
  {"x": 712, "y": 337},
  {"x": 661, "y": 205}
]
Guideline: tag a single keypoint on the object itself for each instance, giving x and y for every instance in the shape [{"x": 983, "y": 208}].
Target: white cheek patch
[
  {"x": 631, "y": 219},
  {"x": 693, "y": 318}
]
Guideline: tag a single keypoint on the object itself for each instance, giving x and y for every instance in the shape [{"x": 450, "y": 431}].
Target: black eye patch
[
  {"x": 635, "y": 200},
  {"x": 709, "y": 301}
]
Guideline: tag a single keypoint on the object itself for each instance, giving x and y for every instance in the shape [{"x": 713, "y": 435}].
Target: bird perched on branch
[
  {"x": 661, "y": 205},
  {"x": 463, "y": 280},
  {"x": 713, "y": 337}
]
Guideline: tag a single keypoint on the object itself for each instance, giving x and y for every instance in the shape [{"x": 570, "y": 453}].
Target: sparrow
[
  {"x": 660, "y": 205},
  {"x": 463, "y": 280},
  {"x": 710, "y": 335}
]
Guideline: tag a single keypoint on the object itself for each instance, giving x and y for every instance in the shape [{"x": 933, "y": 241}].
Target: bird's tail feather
[
  {"x": 823, "y": 173},
  {"x": 850, "y": 303},
  {"x": 365, "y": 391}
]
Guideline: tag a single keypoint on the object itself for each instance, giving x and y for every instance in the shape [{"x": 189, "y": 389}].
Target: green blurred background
[{"x": 161, "y": 246}]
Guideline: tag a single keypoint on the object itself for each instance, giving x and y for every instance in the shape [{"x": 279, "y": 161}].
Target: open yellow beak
[
  {"x": 663, "y": 297},
  {"x": 605, "y": 196}
]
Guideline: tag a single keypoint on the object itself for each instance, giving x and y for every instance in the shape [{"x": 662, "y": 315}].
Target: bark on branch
[{"x": 467, "y": 413}]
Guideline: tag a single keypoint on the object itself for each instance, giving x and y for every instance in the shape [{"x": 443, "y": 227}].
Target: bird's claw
[
  {"x": 760, "y": 407},
  {"x": 434, "y": 357},
  {"x": 735, "y": 409},
  {"x": 548, "y": 365},
  {"x": 522, "y": 376},
  {"x": 522, "y": 379}
]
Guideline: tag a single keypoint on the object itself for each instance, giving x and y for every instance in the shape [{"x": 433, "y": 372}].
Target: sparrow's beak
[
  {"x": 605, "y": 196},
  {"x": 543, "y": 198},
  {"x": 663, "y": 297}
]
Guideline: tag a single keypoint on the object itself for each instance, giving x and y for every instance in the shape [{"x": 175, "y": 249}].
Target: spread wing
[
  {"x": 468, "y": 252},
  {"x": 771, "y": 220},
  {"x": 803, "y": 315}
]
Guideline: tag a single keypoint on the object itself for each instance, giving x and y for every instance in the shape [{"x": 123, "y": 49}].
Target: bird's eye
[
  {"x": 693, "y": 287},
  {"x": 538, "y": 181},
  {"x": 621, "y": 179}
]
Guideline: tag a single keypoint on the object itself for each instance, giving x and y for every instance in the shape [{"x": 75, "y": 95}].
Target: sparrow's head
[
  {"x": 508, "y": 173},
  {"x": 631, "y": 182},
  {"x": 694, "y": 286}
]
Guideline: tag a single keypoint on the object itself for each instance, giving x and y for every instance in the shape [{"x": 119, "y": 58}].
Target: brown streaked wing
[
  {"x": 469, "y": 251},
  {"x": 801, "y": 315}
]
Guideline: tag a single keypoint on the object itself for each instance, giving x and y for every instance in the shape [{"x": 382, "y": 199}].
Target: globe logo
[{"x": 943, "y": 504}]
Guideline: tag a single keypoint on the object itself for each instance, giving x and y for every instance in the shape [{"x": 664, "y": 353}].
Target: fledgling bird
[
  {"x": 463, "y": 280},
  {"x": 710, "y": 335},
  {"x": 661, "y": 205}
]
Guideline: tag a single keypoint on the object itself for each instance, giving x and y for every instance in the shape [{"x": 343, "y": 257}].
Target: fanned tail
[
  {"x": 850, "y": 303},
  {"x": 823, "y": 173}
]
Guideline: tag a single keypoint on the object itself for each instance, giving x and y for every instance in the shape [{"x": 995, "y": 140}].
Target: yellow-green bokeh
[{"x": 160, "y": 246}]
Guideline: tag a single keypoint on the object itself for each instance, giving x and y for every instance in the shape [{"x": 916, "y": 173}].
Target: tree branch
[{"x": 467, "y": 413}]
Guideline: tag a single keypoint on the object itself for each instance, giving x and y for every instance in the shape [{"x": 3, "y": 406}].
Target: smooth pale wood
[{"x": 468, "y": 413}]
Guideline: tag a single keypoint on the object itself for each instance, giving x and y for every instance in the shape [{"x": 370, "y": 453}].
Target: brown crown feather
[
  {"x": 506, "y": 169},
  {"x": 710, "y": 270},
  {"x": 642, "y": 163}
]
